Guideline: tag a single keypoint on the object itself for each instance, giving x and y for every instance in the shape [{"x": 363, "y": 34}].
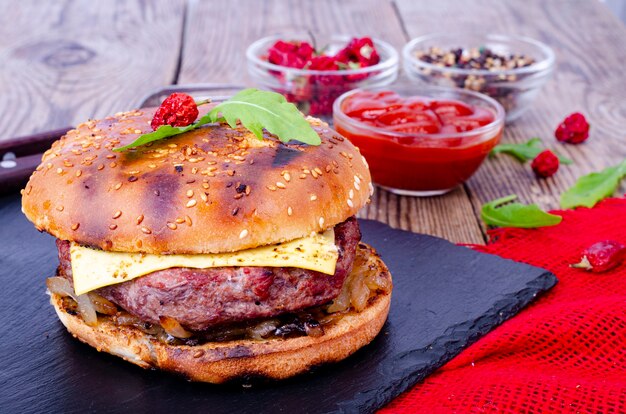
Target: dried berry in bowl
[
  {"x": 509, "y": 69},
  {"x": 313, "y": 77}
]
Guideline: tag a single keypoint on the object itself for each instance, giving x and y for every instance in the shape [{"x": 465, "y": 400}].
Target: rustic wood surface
[{"x": 64, "y": 62}]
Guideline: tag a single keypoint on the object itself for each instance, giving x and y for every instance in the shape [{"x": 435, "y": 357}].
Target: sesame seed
[
  {"x": 79, "y": 173},
  {"x": 248, "y": 190},
  {"x": 188, "y": 221},
  {"x": 357, "y": 179},
  {"x": 318, "y": 170},
  {"x": 75, "y": 226},
  {"x": 357, "y": 186},
  {"x": 139, "y": 219},
  {"x": 230, "y": 173},
  {"x": 137, "y": 131},
  {"x": 371, "y": 189},
  {"x": 238, "y": 196},
  {"x": 205, "y": 186},
  {"x": 189, "y": 193},
  {"x": 146, "y": 230},
  {"x": 60, "y": 208},
  {"x": 180, "y": 220},
  {"x": 350, "y": 203},
  {"x": 198, "y": 353},
  {"x": 271, "y": 188},
  {"x": 243, "y": 233},
  {"x": 29, "y": 189},
  {"x": 321, "y": 221},
  {"x": 280, "y": 184},
  {"x": 59, "y": 170},
  {"x": 100, "y": 167},
  {"x": 117, "y": 186},
  {"x": 111, "y": 156},
  {"x": 313, "y": 197},
  {"x": 289, "y": 211},
  {"x": 328, "y": 168},
  {"x": 191, "y": 203},
  {"x": 113, "y": 165},
  {"x": 117, "y": 214},
  {"x": 172, "y": 226},
  {"x": 113, "y": 226},
  {"x": 351, "y": 193},
  {"x": 302, "y": 176},
  {"x": 314, "y": 174},
  {"x": 194, "y": 170},
  {"x": 287, "y": 177},
  {"x": 204, "y": 197}
]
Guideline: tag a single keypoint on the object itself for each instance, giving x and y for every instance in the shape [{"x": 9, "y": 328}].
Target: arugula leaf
[
  {"x": 591, "y": 188},
  {"x": 261, "y": 109},
  {"x": 503, "y": 213},
  {"x": 256, "y": 110},
  {"x": 526, "y": 151},
  {"x": 164, "y": 131}
]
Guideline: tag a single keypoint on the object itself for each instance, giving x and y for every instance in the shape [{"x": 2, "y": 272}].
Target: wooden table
[{"x": 64, "y": 62}]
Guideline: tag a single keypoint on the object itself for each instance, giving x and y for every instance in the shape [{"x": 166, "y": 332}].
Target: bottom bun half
[{"x": 218, "y": 362}]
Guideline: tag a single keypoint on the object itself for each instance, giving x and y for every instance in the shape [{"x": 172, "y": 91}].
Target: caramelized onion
[
  {"x": 174, "y": 328},
  {"x": 102, "y": 305},
  {"x": 61, "y": 286},
  {"x": 263, "y": 329}
]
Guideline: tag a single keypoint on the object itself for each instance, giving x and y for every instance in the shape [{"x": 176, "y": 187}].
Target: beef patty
[{"x": 202, "y": 298}]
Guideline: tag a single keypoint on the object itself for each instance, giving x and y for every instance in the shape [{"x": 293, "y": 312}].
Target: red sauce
[{"x": 411, "y": 147}]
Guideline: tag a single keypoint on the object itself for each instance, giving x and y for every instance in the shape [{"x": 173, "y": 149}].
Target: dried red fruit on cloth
[
  {"x": 574, "y": 129},
  {"x": 602, "y": 256},
  {"x": 360, "y": 51},
  {"x": 545, "y": 164},
  {"x": 291, "y": 54},
  {"x": 178, "y": 109}
]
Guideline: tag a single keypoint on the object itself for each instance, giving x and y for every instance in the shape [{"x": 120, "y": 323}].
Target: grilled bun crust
[
  {"x": 218, "y": 362},
  {"x": 211, "y": 190}
]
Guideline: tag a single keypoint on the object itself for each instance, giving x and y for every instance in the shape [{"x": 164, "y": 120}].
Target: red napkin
[{"x": 566, "y": 352}]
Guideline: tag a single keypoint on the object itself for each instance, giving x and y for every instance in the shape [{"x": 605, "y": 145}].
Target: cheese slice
[{"x": 93, "y": 269}]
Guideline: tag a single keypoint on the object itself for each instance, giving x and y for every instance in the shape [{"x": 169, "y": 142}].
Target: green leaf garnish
[
  {"x": 256, "y": 110},
  {"x": 503, "y": 213},
  {"x": 591, "y": 188},
  {"x": 526, "y": 151}
]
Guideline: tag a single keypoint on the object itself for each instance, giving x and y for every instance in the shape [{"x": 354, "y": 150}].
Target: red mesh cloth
[{"x": 566, "y": 352}]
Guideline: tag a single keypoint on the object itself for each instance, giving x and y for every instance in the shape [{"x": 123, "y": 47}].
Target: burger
[{"x": 211, "y": 254}]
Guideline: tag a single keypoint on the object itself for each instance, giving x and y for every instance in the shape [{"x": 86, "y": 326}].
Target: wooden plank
[
  {"x": 64, "y": 62},
  {"x": 214, "y": 51},
  {"x": 589, "y": 44}
]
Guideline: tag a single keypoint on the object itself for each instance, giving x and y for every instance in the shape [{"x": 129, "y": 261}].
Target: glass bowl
[
  {"x": 314, "y": 91},
  {"x": 515, "y": 88},
  {"x": 421, "y": 164}
]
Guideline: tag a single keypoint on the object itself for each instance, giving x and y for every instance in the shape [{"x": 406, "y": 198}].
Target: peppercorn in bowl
[
  {"x": 510, "y": 69},
  {"x": 312, "y": 73}
]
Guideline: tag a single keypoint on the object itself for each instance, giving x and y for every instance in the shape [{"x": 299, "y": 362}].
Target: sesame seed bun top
[{"x": 211, "y": 190}]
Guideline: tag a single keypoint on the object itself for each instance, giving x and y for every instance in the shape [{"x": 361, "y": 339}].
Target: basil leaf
[
  {"x": 256, "y": 110},
  {"x": 591, "y": 188},
  {"x": 262, "y": 109},
  {"x": 526, "y": 151},
  {"x": 503, "y": 213}
]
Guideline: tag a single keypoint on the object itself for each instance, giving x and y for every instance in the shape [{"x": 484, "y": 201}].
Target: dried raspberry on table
[
  {"x": 178, "y": 109},
  {"x": 602, "y": 256},
  {"x": 545, "y": 164},
  {"x": 574, "y": 129}
]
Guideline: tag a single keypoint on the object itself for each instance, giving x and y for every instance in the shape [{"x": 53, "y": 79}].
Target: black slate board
[{"x": 444, "y": 298}]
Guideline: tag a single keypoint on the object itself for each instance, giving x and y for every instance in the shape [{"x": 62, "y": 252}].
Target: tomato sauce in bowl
[{"x": 420, "y": 142}]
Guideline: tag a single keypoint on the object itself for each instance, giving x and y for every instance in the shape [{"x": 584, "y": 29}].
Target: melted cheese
[{"x": 93, "y": 269}]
